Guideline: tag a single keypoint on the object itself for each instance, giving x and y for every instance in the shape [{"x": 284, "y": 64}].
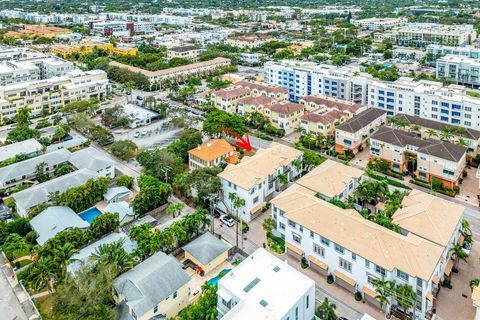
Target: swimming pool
[
  {"x": 90, "y": 214},
  {"x": 214, "y": 281}
]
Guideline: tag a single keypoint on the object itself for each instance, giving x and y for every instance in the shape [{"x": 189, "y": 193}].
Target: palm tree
[
  {"x": 175, "y": 208},
  {"x": 431, "y": 133},
  {"x": 462, "y": 142},
  {"x": 406, "y": 297},
  {"x": 282, "y": 178},
  {"x": 237, "y": 203},
  {"x": 446, "y": 135},
  {"x": 474, "y": 283},
  {"x": 465, "y": 228},
  {"x": 327, "y": 310},
  {"x": 298, "y": 165},
  {"x": 114, "y": 253},
  {"x": 383, "y": 288},
  {"x": 42, "y": 274},
  {"x": 268, "y": 225},
  {"x": 459, "y": 254},
  {"x": 62, "y": 255}
]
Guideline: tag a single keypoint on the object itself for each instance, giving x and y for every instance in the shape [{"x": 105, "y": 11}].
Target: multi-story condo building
[
  {"x": 354, "y": 133},
  {"x": 452, "y": 105},
  {"x": 213, "y": 153},
  {"x": 226, "y": 99},
  {"x": 253, "y": 104},
  {"x": 264, "y": 287},
  {"x": 423, "y": 34},
  {"x": 434, "y": 158},
  {"x": 85, "y": 47},
  {"x": 379, "y": 24},
  {"x": 425, "y": 128},
  {"x": 355, "y": 251},
  {"x": 285, "y": 115},
  {"x": 261, "y": 89},
  {"x": 324, "y": 103},
  {"x": 255, "y": 179},
  {"x": 178, "y": 73},
  {"x": 53, "y": 93},
  {"x": 247, "y": 41},
  {"x": 465, "y": 51},
  {"x": 461, "y": 70},
  {"x": 322, "y": 122},
  {"x": 186, "y": 52},
  {"x": 120, "y": 28}
]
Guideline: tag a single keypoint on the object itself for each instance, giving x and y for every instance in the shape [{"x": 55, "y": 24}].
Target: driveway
[
  {"x": 469, "y": 187},
  {"x": 361, "y": 159}
]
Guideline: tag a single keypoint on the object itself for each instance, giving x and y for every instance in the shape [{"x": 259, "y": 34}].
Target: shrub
[
  {"x": 330, "y": 279},
  {"x": 124, "y": 181},
  {"x": 358, "y": 296}
]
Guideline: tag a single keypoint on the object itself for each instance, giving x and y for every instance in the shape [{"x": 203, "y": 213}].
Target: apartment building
[
  {"x": 264, "y": 287},
  {"x": 226, "y": 99},
  {"x": 262, "y": 89},
  {"x": 247, "y": 41},
  {"x": 53, "y": 93},
  {"x": 464, "y": 51},
  {"x": 198, "y": 69},
  {"x": 355, "y": 251},
  {"x": 255, "y": 178},
  {"x": 324, "y": 103},
  {"x": 450, "y": 105},
  {"x": 253, "y": 104},
  {"x": 285, "y": 115},
  {"x": 113, "y": 28},
  {"x": 423, "y": 34},
  {"x": 354, "y": 133},
  {"x": 213, "y": 153},
  {"x": 434, "y": 158},
  {"x": 425, "y": 128},
  {"x": 379, "y": 24},
  {"x": 29, "y": 148},
  {"x": 461, "y": 70},
  {"x": 185, "y": 52}
]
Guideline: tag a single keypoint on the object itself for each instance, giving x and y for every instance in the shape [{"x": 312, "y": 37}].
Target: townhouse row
[{"x": 355, "y": 251}]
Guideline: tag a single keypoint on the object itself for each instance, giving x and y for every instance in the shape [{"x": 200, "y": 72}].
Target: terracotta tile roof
[
  {"x": 361, "y": 120},
  {"x": 324, "y": 118},
  {"x": 261, "y": 86},
  {"x": 332, "y": 103},
  {"x": 212, "y": 150},
  {"x": 286, "y": 107},
  {"x": 256, "y": 101},
  {"x": 231, "y": 92}
]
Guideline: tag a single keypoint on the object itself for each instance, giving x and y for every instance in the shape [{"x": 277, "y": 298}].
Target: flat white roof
[{"x": 266, "y": 286}]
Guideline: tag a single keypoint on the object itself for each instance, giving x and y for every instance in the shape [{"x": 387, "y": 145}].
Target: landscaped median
[{"x": 387, "y": 180}]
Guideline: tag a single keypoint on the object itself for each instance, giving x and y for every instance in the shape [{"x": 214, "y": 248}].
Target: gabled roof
[
  {"x": 151, "y": 282},
  {"x": 53, "y": 220},
  {"x": 260, "y": 86},
  {"x": 122, "y": 208},
  {"x": 255, "y": 169},
  {"x": 361, "y": 120},
  {"x": 330, "y": 178},
  {"x": 231, "y": 92},
  {"x": 429, "y": 217},
  {"x": 115, "y": 191},
  {"x": 286, "y": 107},
  {"x": 257, "y": 101},
  {"x": 90, "y": 158},
  {"x": 206, "y": 248},
  {"x": 331, "y": 103},
  {"x": 25, "y": 147},
  {"x": 323, "y": 118}
]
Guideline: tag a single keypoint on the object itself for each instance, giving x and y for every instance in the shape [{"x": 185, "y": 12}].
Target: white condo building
[
  {"x": 265, "y": 287},
  {"x": 466, "y": 51},
  {"x": 423, "y": 34},
  {"x": 425, "y": 99},
  {"x": 461, "y": 70}
]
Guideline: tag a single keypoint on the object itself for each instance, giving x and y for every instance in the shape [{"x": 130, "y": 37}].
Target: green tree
[
  {"x": 189, "y": 139},
  {"x": 161, "y": 164},
  {"x": 459, "y": 254},
  {"x": 384, "y": 289},
  {"x": 41, "y": 172},
  {"x": 326, "y": 310},
  {"x": 150, "y": 198},
  {"x": 205, "y": 182},
  {"x": 406, "y": 297},
  {"x": 103, "y": 224},
  {"x": 311, "y": 159},
  {"x": 268, "y": 225},
  {"x": 124, "y": 149},
  {"x": 114, "y": 254},
  {"x": 474, "y": 283},
  {"x": 218, "y": 119},
  {"x": 63, "y": 169},
  {"x": 205, "y": 307},
  {"x": 15, "y": 246},
  {"x": 124, "y": 181},
  {"x": 23, "y": 117},
  {"x": 175, "y": 209}
]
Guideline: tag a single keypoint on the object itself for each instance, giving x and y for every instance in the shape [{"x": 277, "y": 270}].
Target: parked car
[
  {"x": 227, "y": 220},
  {"x": 136, "y": 134}
]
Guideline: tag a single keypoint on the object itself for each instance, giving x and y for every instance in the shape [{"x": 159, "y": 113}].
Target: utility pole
[
  {"x": 165, "y": 170},
  {"x": 213, "y": 197}
]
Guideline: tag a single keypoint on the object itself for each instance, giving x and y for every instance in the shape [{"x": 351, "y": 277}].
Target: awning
[
  {"x": 369, "y": 292},
  {"x": 345, "y": 278},
  {"x": 318, "y": 263},
  {"x": 461, "y": 239},
  {"x": 436, "y": 279},
  {"x": 257, "y": 208},
  {"x": 430, "y": 296},
  {"x": 449, "y": 267},
  {"x": 291, "y": 247}
]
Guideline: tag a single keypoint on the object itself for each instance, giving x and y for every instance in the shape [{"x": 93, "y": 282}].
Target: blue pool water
[
  {"x": 90, "y": 214},
  {"x": 214, "y": 280}
]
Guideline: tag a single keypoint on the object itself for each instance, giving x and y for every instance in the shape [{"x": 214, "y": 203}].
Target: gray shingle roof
[
  {"x": 26, "y": 147},
  {"x": 82, "y": 257},
  {"x": 151, "y": 282},
  {"x": 115, "y": 191},
  {"x": 122, "y": 208},
  {"x": 27, "y": 167},
  {"x": 40, "y": 193},
  {"x": 206, "y": 248},
  {"x": 361, "y": 120},
  {"x": 90, "y": 158},
  {"x": 54, "y": 220}
]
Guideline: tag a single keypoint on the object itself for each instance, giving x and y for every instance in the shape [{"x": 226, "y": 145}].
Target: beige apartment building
[
  {"x": 226, "y": 99},
  {"x": 53, "y": 93},
  {"x": 285, "y": 115},
  {"x": 253, "y": 104},
  {"x": 325, "y": 103},
  {"x": 185, "y": 52},
  {"x": 263, "y": 89},
  {"x": 318, "y": 122},
  {"x": 434, "y": 158},
  {"x": 210, "y": 154},
  {"x": 354, "y": 133}
]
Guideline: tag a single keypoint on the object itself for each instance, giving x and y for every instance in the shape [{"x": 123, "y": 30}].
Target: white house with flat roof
[
  {"x": 28, "y": 147},
  {"x": 138, "y": 116},
  {"x": 265, "y": 287},
  {"x": 93, "y": 160}
]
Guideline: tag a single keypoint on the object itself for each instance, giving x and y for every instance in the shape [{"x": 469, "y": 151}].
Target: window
[
  {"x": 291, "y": 223},
  {"x": 380, "y": 270},
  {"x": 308, "y": 301},
  {"x": 252, "y": 284},
  {"x": 339, "y": 249},
  {"x": 255, "y": 200},
  {"x": 354, "y": 257},
  {"x": 155, "y": 310},
  {"x": 344, "y": 264},
  {"x": 402, "y": 275},
  {"x": 367, "y": 263},
  {"x": 325, "y": 241},
  {"x": 311, "y": 234},
  {"x": 296, "y": 238},
  {"x": 296, "y": 313},
  {"x": 301, "y": 228},
  {"x": 419, "y": 282},
  {"x": 175, "y": 294},
  {"x": 319, "y": 250}
]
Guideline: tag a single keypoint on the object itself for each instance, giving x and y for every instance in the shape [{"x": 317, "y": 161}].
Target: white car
[
  {"x": 136, "y": 134},
  {"x": 227, "y": 220}
]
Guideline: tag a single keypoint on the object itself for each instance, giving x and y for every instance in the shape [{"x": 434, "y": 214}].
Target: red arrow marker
[{"x": 243, "y": 143}]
